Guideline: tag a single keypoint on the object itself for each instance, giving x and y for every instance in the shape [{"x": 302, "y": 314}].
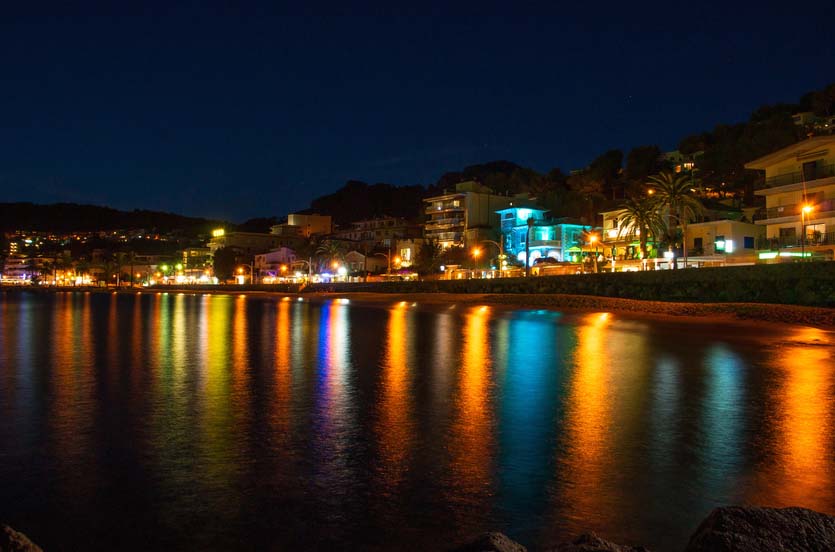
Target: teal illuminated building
[{"x": 559, "y": 239}]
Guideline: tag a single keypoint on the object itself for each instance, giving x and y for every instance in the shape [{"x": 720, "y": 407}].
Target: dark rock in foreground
[
  {"x": 755, "y": 529},
  {"x": 491, "y": 542},
  {"x": 589, "y": 542},
  {"x": 14, "y": 541}
]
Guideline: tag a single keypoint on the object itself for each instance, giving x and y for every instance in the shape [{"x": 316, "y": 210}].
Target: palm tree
[
  {"x": 590, "y": 190},
  {"x": 675, "y": 193},
  {"x": 81, "y": 268},
  {"x": 640, "y": 217},
  {"x": 331, "y": 250}
]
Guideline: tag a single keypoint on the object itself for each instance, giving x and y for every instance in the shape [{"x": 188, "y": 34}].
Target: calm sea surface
[{"x": 170, "y": 421}]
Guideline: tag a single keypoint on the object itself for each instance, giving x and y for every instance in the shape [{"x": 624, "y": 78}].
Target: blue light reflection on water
[{"x": 217, "y": 420}]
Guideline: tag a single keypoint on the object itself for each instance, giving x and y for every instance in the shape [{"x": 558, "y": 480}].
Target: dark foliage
[
  {"x": 70, "y": 217},
  {"x": 259, "y": 224},
  {"x": 642, "y": 162},
  {"x": 358, "y": 201},
  {"x": 224, "y": 263}
]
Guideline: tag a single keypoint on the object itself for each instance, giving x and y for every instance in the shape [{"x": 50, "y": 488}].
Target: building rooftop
[{"x": 806, "y": 148}]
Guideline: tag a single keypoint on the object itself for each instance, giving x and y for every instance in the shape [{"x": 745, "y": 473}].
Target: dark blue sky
[{"x": 222, "y": 113}]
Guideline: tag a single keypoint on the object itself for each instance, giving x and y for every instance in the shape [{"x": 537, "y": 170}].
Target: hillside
[{"x": 71, "y": 217}]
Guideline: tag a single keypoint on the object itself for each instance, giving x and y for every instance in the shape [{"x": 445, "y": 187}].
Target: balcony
[
  {"x": 823, "y": 171},
  {"x": 546, "y": 243},
  {"x": 794, "y": 241},
  {"x": 443, "y": 223},
  {"x": 794, "y": 209},
  {"x": 442, "y": 207},
  {"x": 457, "y": 237}
]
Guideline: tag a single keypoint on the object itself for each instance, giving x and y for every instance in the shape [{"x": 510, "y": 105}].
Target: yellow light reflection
[
  {"x": 472, "y": 438},
  {"x": 395, "y": 424},
  {"x": 802, "y": 473},
  {"x": 240, "y": 361},
  {"x": 284, "y": 375},
  {"x": 588, "y": 419},
  {"x": 72, "y": 387}
]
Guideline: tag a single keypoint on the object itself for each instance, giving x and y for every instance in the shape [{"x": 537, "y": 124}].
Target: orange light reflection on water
[
  {"x": 802, "y": 472},
  {"x": 284, "y": 375},
  {"x": 241, "y": 402},
  {"x": 588, "y": 424},
  {"x": 395, "y": 428},
  {"x": 472, "y": 436},
  {"x": 72, "y": 386}
]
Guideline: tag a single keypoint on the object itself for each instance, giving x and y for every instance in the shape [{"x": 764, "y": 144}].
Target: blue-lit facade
[{"x": 557, "y": 239}]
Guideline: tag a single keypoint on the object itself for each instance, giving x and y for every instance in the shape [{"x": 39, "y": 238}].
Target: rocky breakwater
[{"x": 727, "y": 529}]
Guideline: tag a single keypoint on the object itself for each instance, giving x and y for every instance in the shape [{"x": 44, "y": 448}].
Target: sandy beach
[{"x": 697, "y": 313}]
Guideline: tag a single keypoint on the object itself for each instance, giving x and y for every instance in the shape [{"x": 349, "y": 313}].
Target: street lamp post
[
  {"x": 388, "y": 260},
  {"x": 476, "y": 254},
  {"x": 593, "y": 239},
  {"x": 309, "y": 267},
  {"x": 251, "y": 272},
  {"x": 804, "y": 214},
  {"x": 530, "y": 223},
  {"x": 501, "y": 256}
]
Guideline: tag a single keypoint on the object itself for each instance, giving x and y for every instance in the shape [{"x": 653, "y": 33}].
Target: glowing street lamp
[
  {"x": 805, "y": 211},
  {"x": 502, "y": 261},
  {"x": 388, "y": 260},
  {"x": 593, "y": 241},
  {"x": 241, "y": 272}
]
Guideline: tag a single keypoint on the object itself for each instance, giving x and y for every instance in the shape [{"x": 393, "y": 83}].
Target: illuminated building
[
  {"x": 378, "y": 232},
  {"x": 464, "y": 217},
  {"x": 302, "y": 225},
  {"x": 732, "y": 241},
  {"x": 247, "y": 243},
  {"x": 799, "y": 198},
  {"x": 558, "y": 239}
]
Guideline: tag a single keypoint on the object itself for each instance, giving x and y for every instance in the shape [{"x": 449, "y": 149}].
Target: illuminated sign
[{"x": 218, "y": 233}]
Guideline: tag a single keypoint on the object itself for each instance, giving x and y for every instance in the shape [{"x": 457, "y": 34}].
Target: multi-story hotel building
[
  {"x": 799, "y": 198},
  {"x": 465, "y": 216}
]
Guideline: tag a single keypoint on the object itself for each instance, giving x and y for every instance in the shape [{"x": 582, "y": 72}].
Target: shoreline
[{"x": 686, "y": 312}]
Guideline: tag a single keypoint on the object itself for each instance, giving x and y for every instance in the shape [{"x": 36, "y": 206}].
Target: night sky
[{"x": 220, "y": 113}]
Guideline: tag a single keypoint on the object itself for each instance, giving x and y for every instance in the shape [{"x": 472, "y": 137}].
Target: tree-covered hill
[
  {"x": 359, "y": 201},
  {"x": 72, "y": 217}
]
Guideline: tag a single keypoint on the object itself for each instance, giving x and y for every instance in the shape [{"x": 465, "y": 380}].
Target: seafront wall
[
  {"x": 810, "y": 284},
  {"x": 806, "y": 284}
]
